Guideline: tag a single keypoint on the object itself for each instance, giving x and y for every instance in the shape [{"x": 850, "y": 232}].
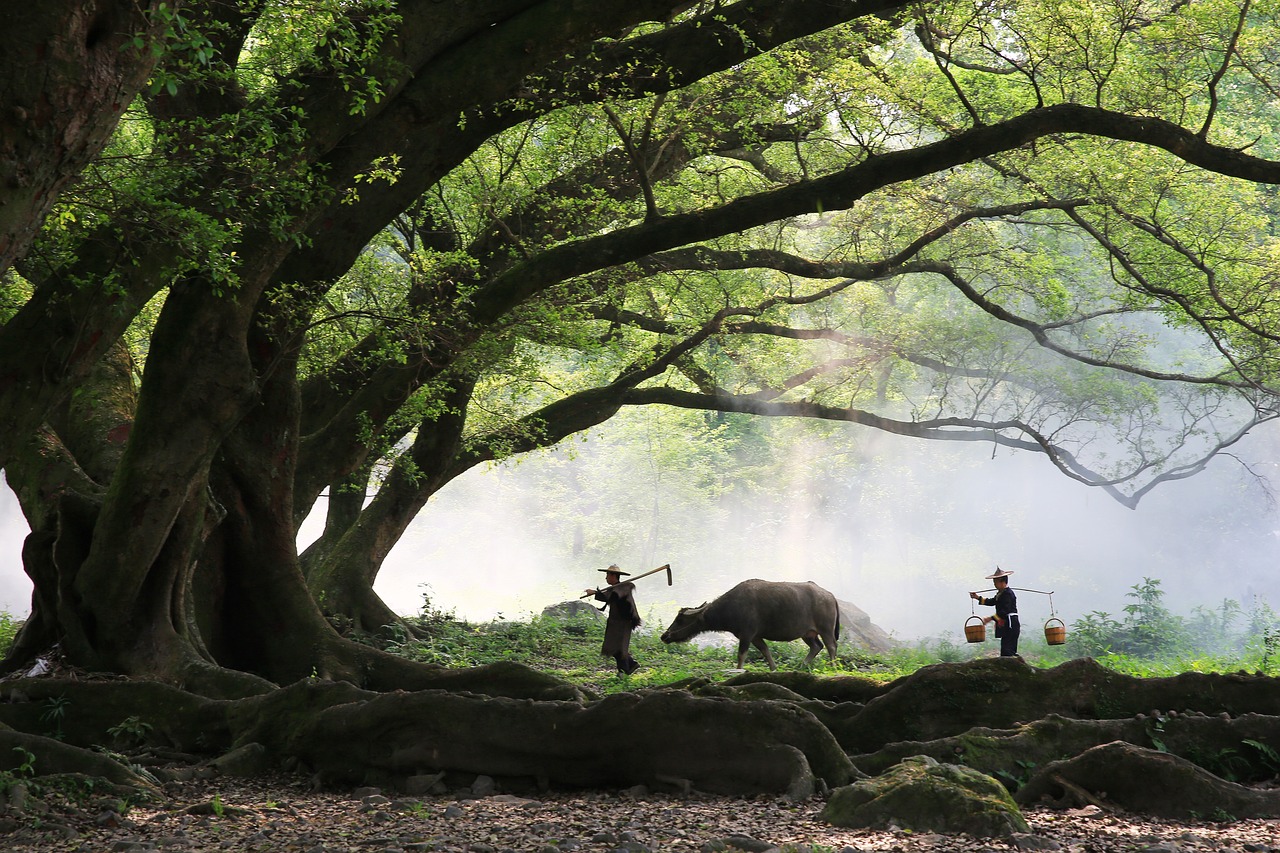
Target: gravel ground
[{"x": 285, "y": 814}]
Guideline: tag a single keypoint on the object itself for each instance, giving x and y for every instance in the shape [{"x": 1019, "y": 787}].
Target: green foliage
[
  {"x": 1249, "y": 763},
  {"x": 1265, "y": 754},
  {"x": 182, "y": 45},
  {"x": 28, "y": 764},
  {"x": 1155, "y": 732},
  {"x": 9, "y": 627},
  {"x": 1092, "y": 634},
  {"x": 1160, "y": 639},
  {"x": 132, "y": 730},
  {"x": 20, "y": 774},
  {"x": 1149, "y": 625},
  {"x": 1015, "y": 780},
  {"x": 53, "y": 712}
]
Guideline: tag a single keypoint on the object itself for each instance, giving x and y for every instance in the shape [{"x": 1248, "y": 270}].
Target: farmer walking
[
  {"x": 1006, "y": 617},
  {"x": 623, "y": 618}
]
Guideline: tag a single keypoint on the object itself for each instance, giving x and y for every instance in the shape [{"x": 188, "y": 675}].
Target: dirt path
[{"x": 284, "y": 814}]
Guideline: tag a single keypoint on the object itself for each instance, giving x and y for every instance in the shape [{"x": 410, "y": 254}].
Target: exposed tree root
[
  {"x": 1149, "y": 782},
  {"x": 759, "y": 736}
]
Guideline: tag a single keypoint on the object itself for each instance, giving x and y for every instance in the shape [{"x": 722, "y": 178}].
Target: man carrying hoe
[{"x": 624, "y": 618}]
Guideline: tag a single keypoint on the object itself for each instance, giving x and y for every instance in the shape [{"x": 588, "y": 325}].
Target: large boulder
[
  {"x": 857, "y": 629},
  {"x": 566, "y": 610},
  {"x": 923, "y": 795}
]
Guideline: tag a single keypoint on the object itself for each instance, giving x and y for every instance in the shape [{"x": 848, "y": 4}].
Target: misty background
[{"x": 902, "y": 528}]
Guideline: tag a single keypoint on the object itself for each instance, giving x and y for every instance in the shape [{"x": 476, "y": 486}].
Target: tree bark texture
[
  {"x": 721, "y": 738},
  {"x": 67, "y": 72}
]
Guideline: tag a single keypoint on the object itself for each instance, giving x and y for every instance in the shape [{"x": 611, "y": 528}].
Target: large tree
[{"x": 357, "y": 248}]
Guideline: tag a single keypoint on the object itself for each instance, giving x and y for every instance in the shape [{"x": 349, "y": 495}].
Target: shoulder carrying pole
[
  {"x": 666, "y": 568},
  {"x": 1052, "y": 612},
  {"x": 1021, "y": 589}
]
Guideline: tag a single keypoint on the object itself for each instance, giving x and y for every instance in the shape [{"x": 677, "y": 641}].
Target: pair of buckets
[{"x": 1054, "y": 634}]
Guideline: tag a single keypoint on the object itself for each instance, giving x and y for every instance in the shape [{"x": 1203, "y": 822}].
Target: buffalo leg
[
  {"x": 768, "y": 656},
  {"x": 815, "y": 646},
  {"x": 830, "y": 640}
]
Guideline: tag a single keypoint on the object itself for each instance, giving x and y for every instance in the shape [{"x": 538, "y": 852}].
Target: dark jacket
[
  {"x": 1006, "y": 603},
  {"x": 623, "y": 618}
]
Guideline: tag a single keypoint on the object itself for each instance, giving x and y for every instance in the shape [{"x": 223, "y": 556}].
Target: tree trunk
[
  {"x": 343, "y": 565},
  {"x": 67, "y": 72}
]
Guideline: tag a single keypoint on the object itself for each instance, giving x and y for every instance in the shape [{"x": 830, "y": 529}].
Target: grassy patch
[{"x": 570, "y": 649}]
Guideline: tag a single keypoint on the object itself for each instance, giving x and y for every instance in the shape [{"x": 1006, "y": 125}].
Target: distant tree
[
  {"x": 358, "y": 248},
  {"x": 1149, "y": 626}
]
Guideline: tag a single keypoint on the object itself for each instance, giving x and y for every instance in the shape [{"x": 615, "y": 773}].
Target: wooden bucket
[
  {"x": 975, "y": 633},
  {"x": 1055, "y": 635}
]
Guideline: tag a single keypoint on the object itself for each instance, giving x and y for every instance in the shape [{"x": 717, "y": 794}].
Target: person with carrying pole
[
  {"x": 624, "y": 616},
  {"x": 1008, "y": 627}
]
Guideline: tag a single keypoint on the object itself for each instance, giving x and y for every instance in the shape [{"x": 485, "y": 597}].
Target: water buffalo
[{"x": 756, "y": 610}]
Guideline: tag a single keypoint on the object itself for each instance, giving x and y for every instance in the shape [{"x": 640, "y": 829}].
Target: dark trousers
[{"x": 1009, "y": 637}]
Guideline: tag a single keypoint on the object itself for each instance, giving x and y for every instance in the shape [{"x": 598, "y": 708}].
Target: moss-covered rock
[{"x": 923, "y": 795}]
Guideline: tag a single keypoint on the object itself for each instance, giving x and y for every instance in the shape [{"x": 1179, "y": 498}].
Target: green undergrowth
[
  {"x": 1147, "y": 640},
  {"x": 570, "y": 649}
]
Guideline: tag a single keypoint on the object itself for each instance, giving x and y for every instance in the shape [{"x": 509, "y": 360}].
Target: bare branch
[{"x": 1221, "y": 72}]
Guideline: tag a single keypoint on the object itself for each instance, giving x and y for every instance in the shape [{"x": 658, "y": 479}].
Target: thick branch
[
  {"x": 840, "y": 190},
  {"x": 64, "y": 118},
  {"x": 1023, "y": 437}
]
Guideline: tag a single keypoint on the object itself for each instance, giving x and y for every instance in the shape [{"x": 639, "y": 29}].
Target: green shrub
[
  {"x": 9, "y": 627},
  {"x": 1152, "y": 640}
]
